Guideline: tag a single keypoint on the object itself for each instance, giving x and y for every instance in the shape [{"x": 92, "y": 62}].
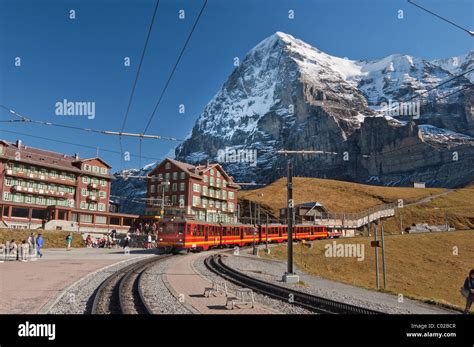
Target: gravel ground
[
  {"x": 272, "y": 271},
  {"x": 157, "y": 294},
  {"x": 78, "y": 299},
  {"x": 277, "y": 305}
]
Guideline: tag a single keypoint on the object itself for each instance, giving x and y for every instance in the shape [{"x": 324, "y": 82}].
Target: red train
[{"x": 198, "y": 235}]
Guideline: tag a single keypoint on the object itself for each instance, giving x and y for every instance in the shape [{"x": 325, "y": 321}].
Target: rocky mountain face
[
  {"x": 377, "y": 122},
  {"x": 129, "y": 189}
]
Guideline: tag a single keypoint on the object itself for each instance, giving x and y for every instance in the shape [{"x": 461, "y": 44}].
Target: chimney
[
  {"x": 76, "y": 156},
  {"x": 207, "y": 164},
  {"x": 18, "y": 143}
]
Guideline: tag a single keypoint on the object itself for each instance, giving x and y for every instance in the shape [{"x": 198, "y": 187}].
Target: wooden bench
[
  {"x": 239, "y": 298},
  {"x": 218, "y": 287}
]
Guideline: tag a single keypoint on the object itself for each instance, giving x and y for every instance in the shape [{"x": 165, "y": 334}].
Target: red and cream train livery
[{"x": 184, "y": 234}]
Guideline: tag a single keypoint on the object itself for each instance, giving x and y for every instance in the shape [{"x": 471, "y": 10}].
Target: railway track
[
  {"x": 310, "y": 302},
  {"x": 122, "y": 293}
]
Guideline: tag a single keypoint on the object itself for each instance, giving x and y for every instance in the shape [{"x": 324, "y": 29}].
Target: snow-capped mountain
[
  {"x": 287, "y": 94},
  {"x": 129, "y": 189}
]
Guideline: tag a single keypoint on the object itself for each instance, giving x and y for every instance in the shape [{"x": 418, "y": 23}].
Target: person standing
[
  {"x": 148, "y": 241},
  {"x": 24, "y": 251},
  {"x": 31, "y": 243},
  {"x": 69, "y": 241},
  {"x": 468, "y": 289},
  {"x": 13, "y": 249},
  {"x": 39, "y": 244},
  {"x": 126, "y": 245}
]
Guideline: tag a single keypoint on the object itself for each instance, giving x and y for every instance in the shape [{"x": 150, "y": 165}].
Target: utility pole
[
  {"x": 383, "y": 260},
  {"x": 401, "y": 223},
  {"x": 250, "y": 211},
  {"x": 266, "y": 235},
  {"x": 290, "y": 276},
  {"x": 376, "y": 255},
  {"x": 167, "y": 183}
]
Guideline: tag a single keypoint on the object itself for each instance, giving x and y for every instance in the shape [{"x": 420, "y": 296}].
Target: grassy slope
[
  {"x": 52, "y": 239},
  {"x": 458, "y": 206},
  {"x": 337, "y": 196},
  {"x": 420, "y": 266}
]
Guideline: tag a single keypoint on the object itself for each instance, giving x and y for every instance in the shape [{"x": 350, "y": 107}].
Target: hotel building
[
  {"x": 204, "y": 192},
  {"x": 39, "y": 188}
]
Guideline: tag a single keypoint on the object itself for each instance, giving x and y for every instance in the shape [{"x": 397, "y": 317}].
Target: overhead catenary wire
[
  {"x": 75, "y": 144},
  {"x": 175, "y": 66},
  {"x": 132, "y": 93},
  {"x": 442, "y": 18},
  {"x": 90, "y": 130},
  {"x": 419, "y": 93}
]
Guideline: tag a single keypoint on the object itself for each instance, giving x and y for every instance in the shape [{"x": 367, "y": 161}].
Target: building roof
[
  {"x": 310, "y": 204},
  {"x": 94, "y": 158},
  {"x": 197, "y": 171},
  {"x": 45, "y": 158}
]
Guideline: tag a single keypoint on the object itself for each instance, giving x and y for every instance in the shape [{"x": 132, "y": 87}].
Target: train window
[
  {"x": 181, "y": 228},
  {"x": 188, "y": 229},
  {"x": 168, "y": 228}
]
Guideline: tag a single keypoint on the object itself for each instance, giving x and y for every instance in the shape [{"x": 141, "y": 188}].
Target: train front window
[
  {"x": 168, "y": 228},
  {"x": 180, "y": 228}
]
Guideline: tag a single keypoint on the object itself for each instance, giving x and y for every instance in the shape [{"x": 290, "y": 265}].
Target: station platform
[{"x": 25, "y": 287}]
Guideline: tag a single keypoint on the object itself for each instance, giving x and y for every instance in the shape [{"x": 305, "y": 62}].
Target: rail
[
  {"x": 310, "y": 302},
  {"x": 112, "y": 296}
]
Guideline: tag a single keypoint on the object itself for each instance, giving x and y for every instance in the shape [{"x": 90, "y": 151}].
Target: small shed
[
  {"x": 308, "y": 211},
  {"x": 419, "y": 185}
]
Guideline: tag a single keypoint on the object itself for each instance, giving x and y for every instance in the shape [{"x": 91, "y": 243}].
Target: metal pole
[
  {"x": 383, "y": 261},
  {"x": 162, "y": 200},
  {"x": 266, "y": 234},
  {"x": 376, "y": 255},
  {"x": 401, "y": 223},
  {"x": 255, "y": 215},
  {"x": 290, "y": 217},
  {"x": 250, "y": 211}
]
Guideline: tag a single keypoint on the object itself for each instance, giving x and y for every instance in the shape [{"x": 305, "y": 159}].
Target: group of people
[
  {"x": 106, "y": 241},
  {"x": 25, "y": 249},
  {"x": 144, "y": 228}
]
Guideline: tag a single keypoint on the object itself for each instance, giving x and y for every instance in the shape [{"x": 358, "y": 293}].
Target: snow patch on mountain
[{"x": 430, "y": 132}]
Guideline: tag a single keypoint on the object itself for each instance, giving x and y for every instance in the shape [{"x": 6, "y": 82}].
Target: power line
[
  {"x": 175, "y": 66},
  {"x": 136, "y": 80},
  {"x": 90, "y": 130},
  {"x": 442, "y": 18},
  {"x": 455, "y": 92},
  {"x": 139, "y": 66},
  {"x": 73, "y": 144},
  {"x": 430, "y": 90}
]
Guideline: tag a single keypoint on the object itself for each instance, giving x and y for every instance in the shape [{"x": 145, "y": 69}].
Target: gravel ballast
[
  {"x": 78, "y": 299},
  {"x": 272, "y": 271},
  {"x": 157, "y": 294},
  {"x": 276, "y": 305}
]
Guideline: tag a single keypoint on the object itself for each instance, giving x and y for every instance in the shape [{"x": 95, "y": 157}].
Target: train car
[{"x": 185, "y": 235}]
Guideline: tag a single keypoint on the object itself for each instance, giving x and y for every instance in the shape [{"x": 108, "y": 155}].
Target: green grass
[
  {"x": 420, "y": 266},
  {"x": 52, "y": 239}
]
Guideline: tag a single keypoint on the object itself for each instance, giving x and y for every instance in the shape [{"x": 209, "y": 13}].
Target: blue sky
[{"x": 82, "y": 59}]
